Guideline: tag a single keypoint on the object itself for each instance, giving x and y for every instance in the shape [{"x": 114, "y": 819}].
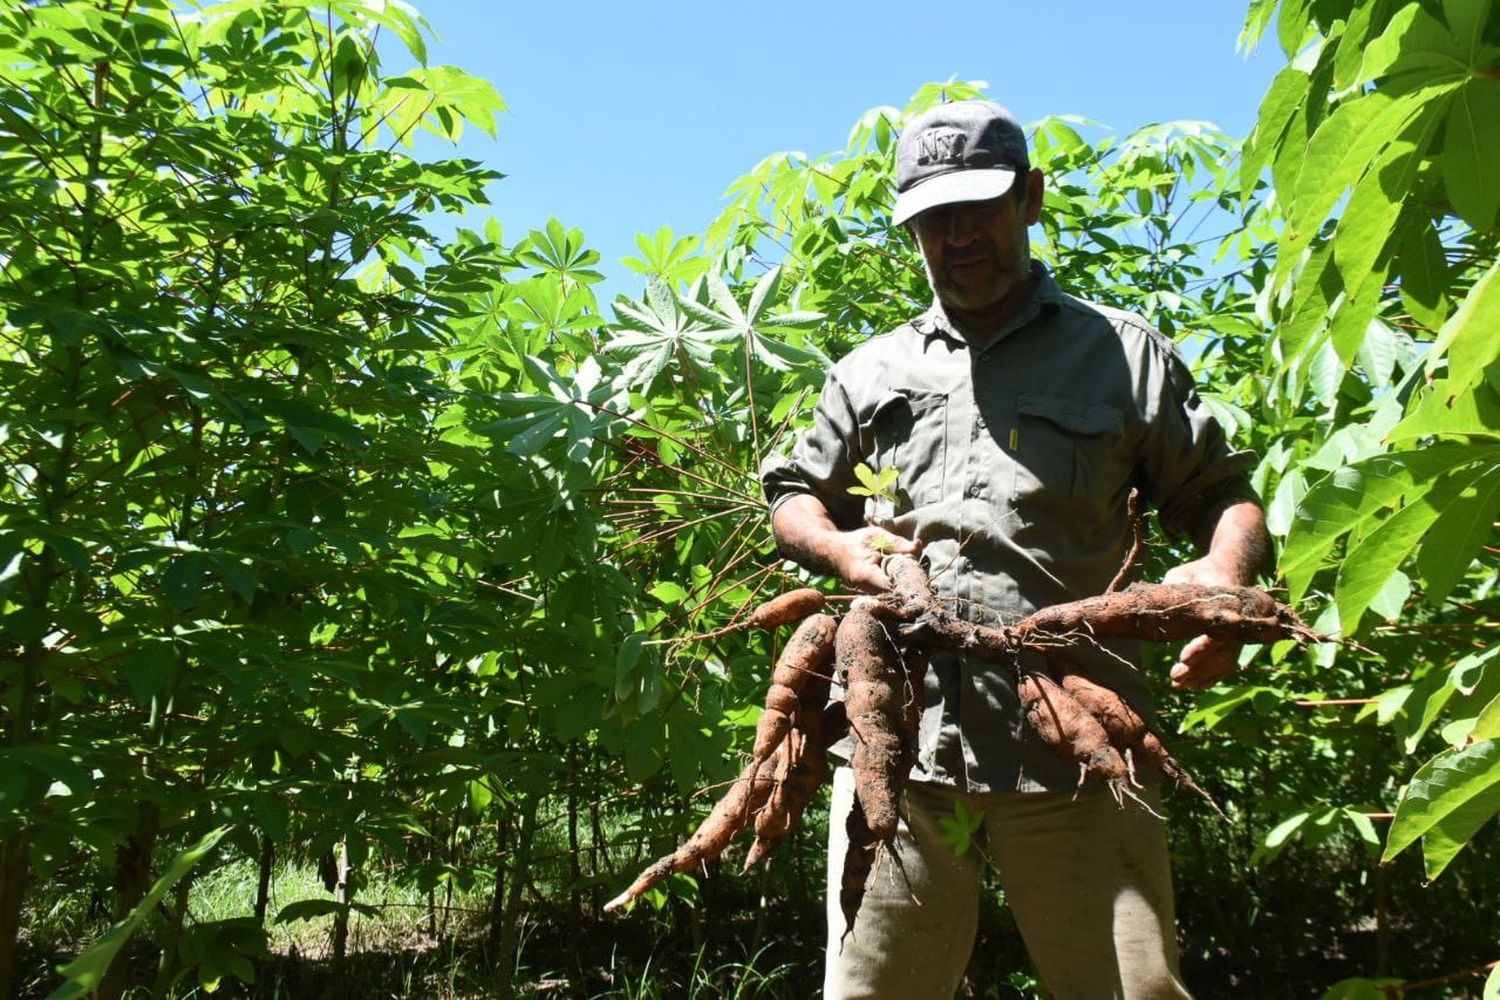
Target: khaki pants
[{"x": 1089, "y": 884}]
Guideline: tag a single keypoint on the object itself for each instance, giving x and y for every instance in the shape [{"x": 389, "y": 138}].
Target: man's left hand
[{"x": 1205, "y": 661}]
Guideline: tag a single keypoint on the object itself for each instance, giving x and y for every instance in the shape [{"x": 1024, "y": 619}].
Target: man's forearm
[
  {"x": 1233, "y": 533},
  {"x": 806, "y": 533}
]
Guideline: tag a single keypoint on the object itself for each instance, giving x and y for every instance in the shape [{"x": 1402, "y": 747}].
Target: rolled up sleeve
[
  {"x": 1188, "y": 465},
  {"x": 822, "y": 460}
]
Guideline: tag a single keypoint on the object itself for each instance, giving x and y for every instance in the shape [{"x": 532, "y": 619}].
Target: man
[{"x": 1018, "y": 419}]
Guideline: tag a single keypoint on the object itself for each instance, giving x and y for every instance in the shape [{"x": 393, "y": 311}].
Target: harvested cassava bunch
[{"x": 880, "y": 648}]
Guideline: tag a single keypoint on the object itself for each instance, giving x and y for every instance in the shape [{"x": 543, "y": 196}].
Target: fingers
[
  {"x": 1205, "y": 662},
  {"x": 895, "y": 544},
  {"x": 1191, "y": 572},
  {"x": 860, "y": 554},
  {"x": 1177, "y": 574}
]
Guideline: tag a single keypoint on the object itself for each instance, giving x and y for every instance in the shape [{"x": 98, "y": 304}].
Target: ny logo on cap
[{"x": 941, "y": 147}]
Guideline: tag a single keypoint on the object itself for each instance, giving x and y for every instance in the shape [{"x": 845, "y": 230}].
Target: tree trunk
[
  {"x": 510, "y": 929},
  {"x": 575, "y": 869},
  {"x": 177, "y": 915},
  {"x": 343, "y": 892},
  {"x": 263, "y": 884},
  {"x": 15, "y": 874},
  {"x": 132, "y": 879},
  {"x": 497, "y": 901},
  {"x": 598, "y": 843},
  {"x": 1382, "y": 879}
]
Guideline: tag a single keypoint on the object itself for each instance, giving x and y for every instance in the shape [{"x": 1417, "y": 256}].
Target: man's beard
[{"x": 999, "y": 284}]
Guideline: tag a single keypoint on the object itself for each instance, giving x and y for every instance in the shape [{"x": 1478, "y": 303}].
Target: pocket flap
[
  {"x": 1072, "y": 415},
  {"x": 899, "y": 399}
]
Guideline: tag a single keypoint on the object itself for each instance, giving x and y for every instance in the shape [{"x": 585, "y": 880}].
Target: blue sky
[{"x": 628, "y": 116}]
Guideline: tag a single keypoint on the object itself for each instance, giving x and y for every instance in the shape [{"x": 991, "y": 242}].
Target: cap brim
[{"x": 954, "y": 186}]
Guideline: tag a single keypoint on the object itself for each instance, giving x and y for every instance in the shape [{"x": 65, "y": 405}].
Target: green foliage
[
  {"x": 324, "y": 531},
  {"x": 264, "y": 564},
  {"x": 879, "y": 485},
  {"x": 1382, "y": 147},
  {"x": 86, "y": 972}
]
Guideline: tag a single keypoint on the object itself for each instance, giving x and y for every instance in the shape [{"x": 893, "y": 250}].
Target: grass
[{"x": 395, "y": 954}]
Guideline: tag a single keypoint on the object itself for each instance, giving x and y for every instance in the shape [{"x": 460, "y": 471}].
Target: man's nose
[{"x": 963, "y": 227}]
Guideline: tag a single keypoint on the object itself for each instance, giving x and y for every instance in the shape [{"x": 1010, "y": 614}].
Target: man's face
[{"x": 977, "y": 251}]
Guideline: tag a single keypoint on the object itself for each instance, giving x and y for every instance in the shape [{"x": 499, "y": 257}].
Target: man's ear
[{"x": 1035, "y": 185}]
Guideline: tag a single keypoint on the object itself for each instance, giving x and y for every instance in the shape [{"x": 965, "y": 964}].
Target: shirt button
[
  {"x": 979, "y": 422},
  {"x": 973, "y": 490}
]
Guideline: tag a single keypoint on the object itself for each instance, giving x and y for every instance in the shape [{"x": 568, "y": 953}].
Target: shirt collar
[{"x": 1046, "y": 296}]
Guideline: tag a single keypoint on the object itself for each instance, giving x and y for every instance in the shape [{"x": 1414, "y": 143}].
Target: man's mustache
[{"x": 969, "y": 255}]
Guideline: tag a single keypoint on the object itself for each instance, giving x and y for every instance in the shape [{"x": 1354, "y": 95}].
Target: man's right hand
[
  {"x": 807, "y": 534},
  {"x": 857, "y": 554}
]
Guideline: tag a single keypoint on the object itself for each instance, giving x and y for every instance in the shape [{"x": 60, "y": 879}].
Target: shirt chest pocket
[
  {"x": 906, "y": 430},
  {"x": 1068, "y": 454}
]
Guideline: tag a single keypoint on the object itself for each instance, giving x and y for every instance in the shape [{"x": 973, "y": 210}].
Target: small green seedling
[
  {"x": 881, "y": 485},
  {"x": 960, "y": 828}
]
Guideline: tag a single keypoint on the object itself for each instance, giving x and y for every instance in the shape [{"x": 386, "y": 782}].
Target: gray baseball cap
[{"x": 963, "y": 151}]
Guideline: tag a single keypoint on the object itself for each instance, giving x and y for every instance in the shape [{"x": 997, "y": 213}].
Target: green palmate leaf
[
  {"x": 311, "y": 909},
  {"x": 1378, "y": 352},
  {"x": 1361, "y": 989},
  {"x": 1366, "y": 225},
  {"x": 1443, "y": 411},
  {"x": 1456, "y": 537},
  {"x": 1487, "y": 722},
  {"x": 875, "y": 484},
  {"x": 1344, "y": 147},
  {"x": 1471, "y": 153},
  {"x": 1415, "y": 46},
  {"x": 86, "y": 972},
  {"x": 1370, "y": 563},
  {"x": 960, "y": 828},
  {"x": 666, "y": 257},
  {"x": 1468, "y": 340},
  {"x": 1277, "y": 109},
  {"x": 1349, "y": 500},
  {"x": 1453, "y": 784},
  {"x": 1424, "y": 272}
]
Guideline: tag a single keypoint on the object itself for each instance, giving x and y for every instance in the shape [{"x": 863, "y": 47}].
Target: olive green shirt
[{"x": 1016, "y": 454}]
